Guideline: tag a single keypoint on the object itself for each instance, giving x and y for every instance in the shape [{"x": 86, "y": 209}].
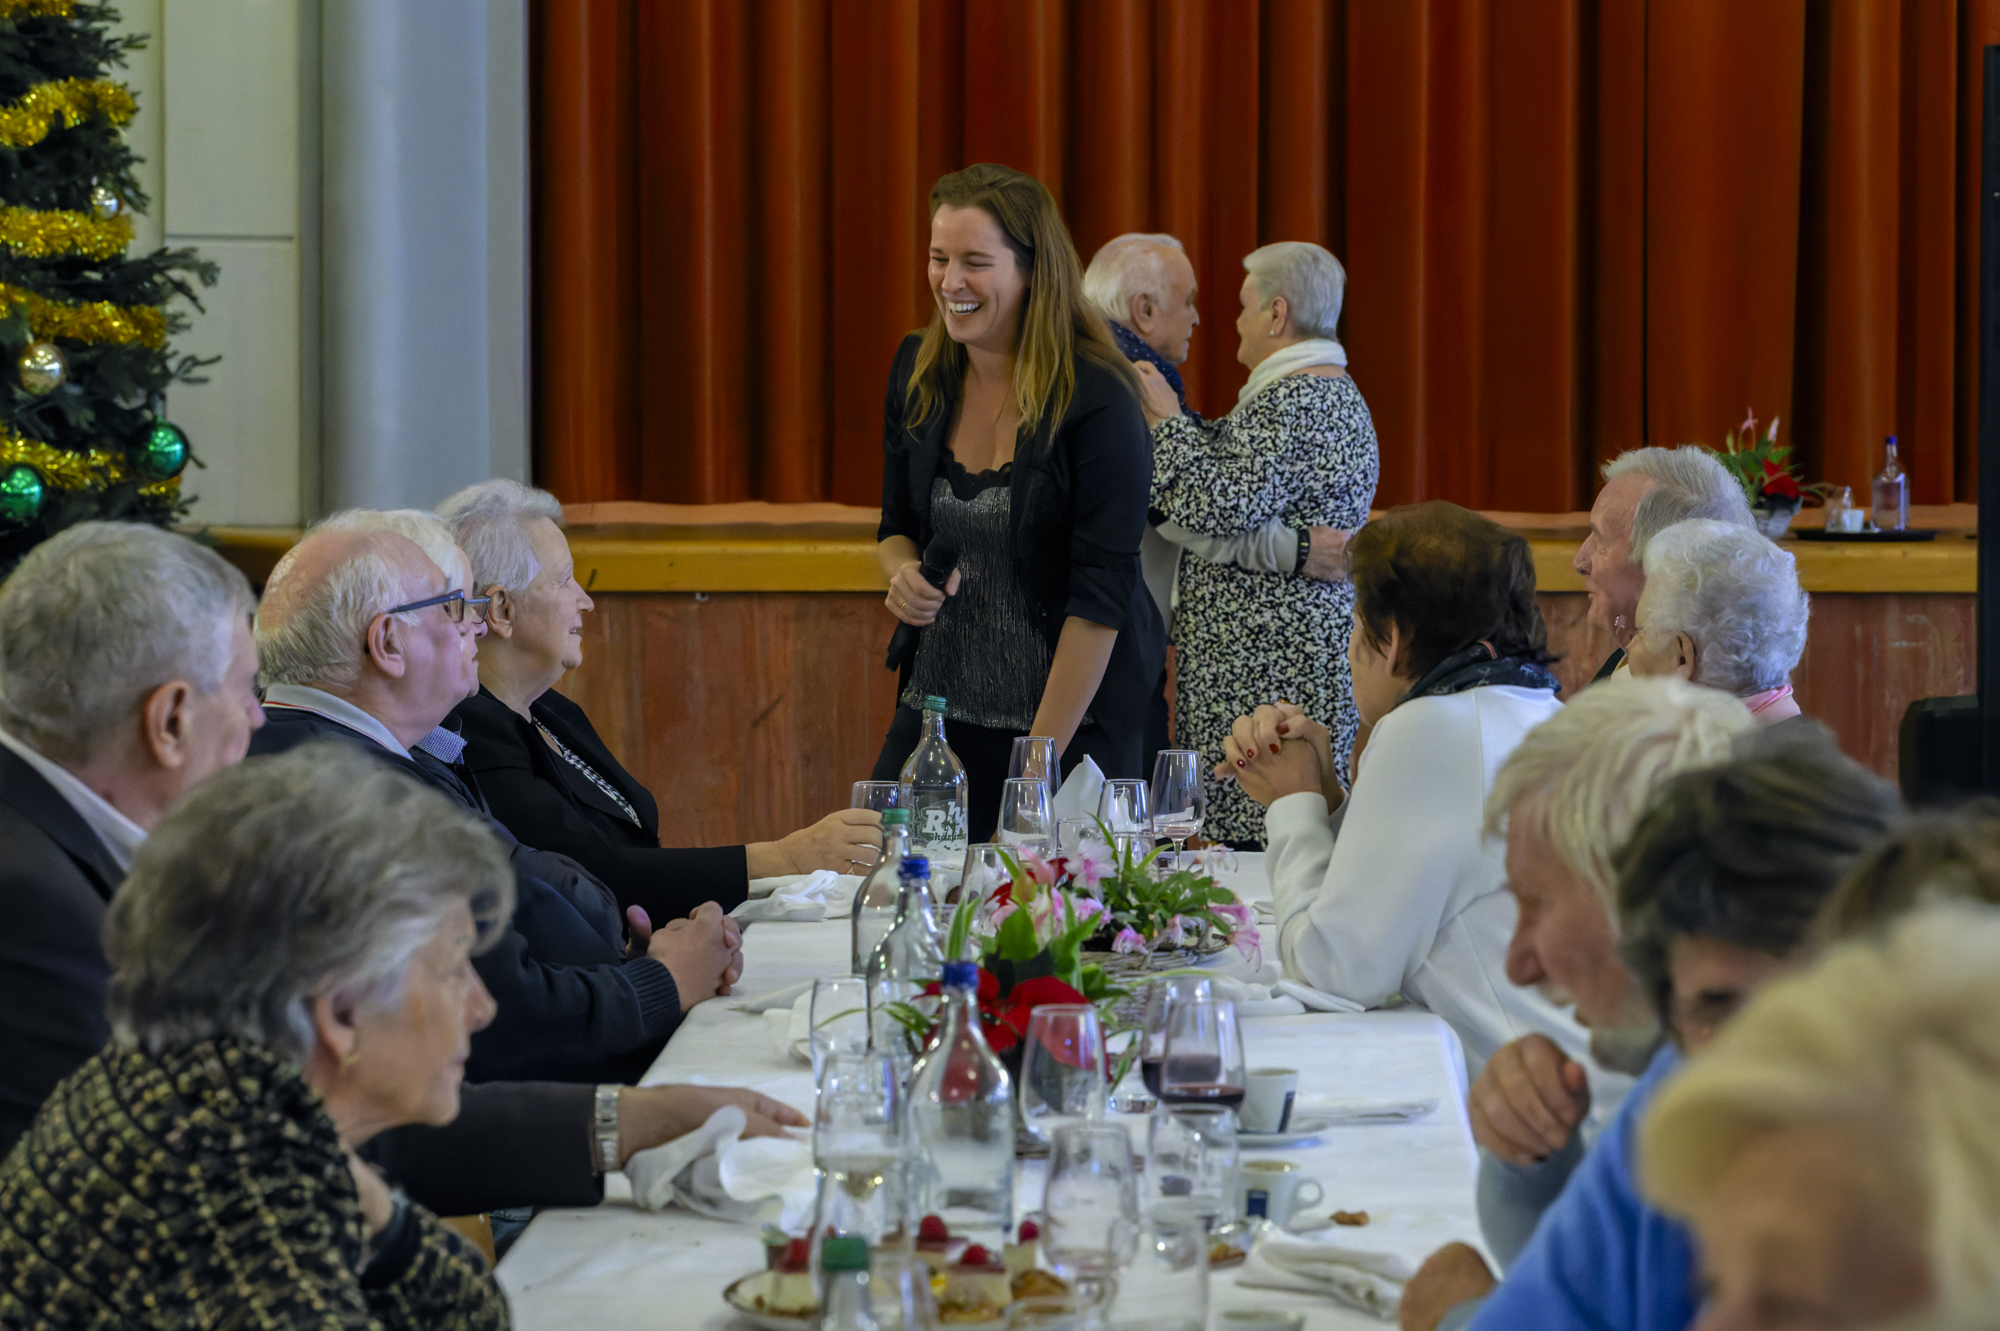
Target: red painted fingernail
[
  {"x": 1239, "y": 762},
  {"x": 1274, "y": 748}
]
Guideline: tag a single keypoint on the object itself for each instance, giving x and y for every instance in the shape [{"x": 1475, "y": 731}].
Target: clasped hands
[
  {"x": 704, "y": 952},
  {"x": 1278, "y": 750}
]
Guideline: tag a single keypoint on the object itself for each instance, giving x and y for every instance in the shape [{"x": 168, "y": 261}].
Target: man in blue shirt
[{"x": 1717, "y": 885}]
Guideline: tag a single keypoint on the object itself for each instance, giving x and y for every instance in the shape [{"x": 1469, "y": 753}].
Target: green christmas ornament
[
  {"x": 43, "y": 368},
  {"x": 21, "y": 494},
  {"x": 165, "y": 451}
]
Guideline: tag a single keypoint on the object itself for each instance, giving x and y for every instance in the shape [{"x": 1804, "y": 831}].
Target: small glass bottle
[
  {"x": 909, "y": 957},
  {"x": 962, "y": 1112},
  {"x": 844, "y": 1296},
  {"x": 1892, "y": 493},
  {"x": 875, "y": 902},
  {"x": 938, "y": 796}
]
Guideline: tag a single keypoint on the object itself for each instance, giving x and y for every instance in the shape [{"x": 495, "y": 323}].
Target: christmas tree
[{"x": 84, "y": 327}]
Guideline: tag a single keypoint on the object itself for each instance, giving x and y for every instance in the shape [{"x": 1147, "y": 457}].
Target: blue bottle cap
[
  {"x": 960, "y": 975},
  {"x": 917, "y": 866}
]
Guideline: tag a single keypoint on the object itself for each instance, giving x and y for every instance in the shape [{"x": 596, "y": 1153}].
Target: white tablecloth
[{"x": 616, "y": 1267}]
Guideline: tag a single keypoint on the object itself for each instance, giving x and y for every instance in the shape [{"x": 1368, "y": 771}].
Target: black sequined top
[{"x": 985, "y": 652}]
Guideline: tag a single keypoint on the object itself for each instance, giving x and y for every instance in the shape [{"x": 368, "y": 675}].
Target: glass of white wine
[{"x": 1180, "y": 800}]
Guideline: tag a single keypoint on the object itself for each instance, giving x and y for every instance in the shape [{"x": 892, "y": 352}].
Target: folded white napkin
[
  {"x": 791, "y": 1028},
  {"x": 1348, "y": 1110},
  {"x": 1352, "y": 1273},
  {"x": 774, "y": 998},
  {"x": 1254, "y": 1000},
  {"x": 810, "y": 896},
  {"x": 1317, "y": 999},
  {"x": 1078, "y": 796},
  {"x": 715, "y": 1171}
]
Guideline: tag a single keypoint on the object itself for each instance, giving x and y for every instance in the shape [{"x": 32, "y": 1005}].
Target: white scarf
[{"x": 1298, "y": 356}]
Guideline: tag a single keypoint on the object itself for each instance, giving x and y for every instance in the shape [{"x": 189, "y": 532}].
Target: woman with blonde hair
[
  {"x": 1837, "y": 1148},
  {"x": 1014, "y": 490},
  {"x": 1298, "y": 447}
]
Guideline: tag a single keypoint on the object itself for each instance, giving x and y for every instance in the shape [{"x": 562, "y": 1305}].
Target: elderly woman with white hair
[
  {"x": 539, "y": 762},
  {"x": 1722, "y": 608},
  {"x": 1299, "y": 446},
  {"x": 1837, "y": 1148},
  {"x": 292, "y": 958}
]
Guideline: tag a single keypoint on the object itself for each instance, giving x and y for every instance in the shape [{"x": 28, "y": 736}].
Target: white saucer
[{"x": 1302, "y": 1129}]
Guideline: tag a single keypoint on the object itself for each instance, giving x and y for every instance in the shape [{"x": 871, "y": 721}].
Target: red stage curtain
[{"x": 1571, "y": 227}]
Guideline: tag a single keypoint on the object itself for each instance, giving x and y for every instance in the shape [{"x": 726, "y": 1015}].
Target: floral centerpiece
[{"x": 1763, "y": 467}]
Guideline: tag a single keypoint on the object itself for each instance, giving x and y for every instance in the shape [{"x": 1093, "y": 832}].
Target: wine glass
[
  {"x": 1024, "y": 814},
  {"x": 836, "y": 1019},
  {"x": 1035, "y": 756},
  {"x": 1179, "y": 797},
  {"x": 1090, "y": 1213},
  {"x": 1071, "y": 833},
  {"x": 1123, "y": 806},
  {"x": 1162, "y": 994},
  {"x": 1191, "y": 1165},
  {"x": 858, "y": 1145},
  {"x": 984, "y": 871},
  {"x": 1201, "y": 1061},
  {"x": 877, "y": 795},
  {"x": 1062, "y": 1069}
]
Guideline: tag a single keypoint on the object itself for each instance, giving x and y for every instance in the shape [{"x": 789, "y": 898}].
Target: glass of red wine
[
  {"x": 1202, "y": 1062},
  {"x": 1161, "y": 994}
]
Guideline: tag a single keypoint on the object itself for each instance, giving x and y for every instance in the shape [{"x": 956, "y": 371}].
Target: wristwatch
[
  {"x": 1305, "y": 549},
  {"x": 604, "y": 1129}
]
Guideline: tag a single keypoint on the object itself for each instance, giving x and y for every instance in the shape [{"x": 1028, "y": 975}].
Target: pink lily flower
[
  {"x": 1235, "y": 911},
  {"x": 1128, "y": 940},
  {"x": 1250, "y": 943},
  {"x": 1094, "y": 864},
  {"x": 1038, "y": 867}
]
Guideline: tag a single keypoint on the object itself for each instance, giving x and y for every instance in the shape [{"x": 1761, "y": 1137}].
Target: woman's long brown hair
[{"x": 1057, "y": 324}]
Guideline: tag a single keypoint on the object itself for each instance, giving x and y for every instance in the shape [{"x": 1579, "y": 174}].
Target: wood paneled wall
[{"x": 748, "y": 714}]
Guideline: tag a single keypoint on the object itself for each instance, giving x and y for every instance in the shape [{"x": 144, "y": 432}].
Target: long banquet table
[{"x": 615, "y": 1266}]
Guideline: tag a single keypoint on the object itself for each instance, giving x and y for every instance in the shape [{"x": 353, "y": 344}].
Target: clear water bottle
[
  {"x": 909, "y": 957},
  {"x": 962, "y": 1113},
  {"x": 844, "y": 1296},
  {"x": 1892, "y": 495},
  {"x": 938, "y": 798},
  {"x": 875, "y": 902}
]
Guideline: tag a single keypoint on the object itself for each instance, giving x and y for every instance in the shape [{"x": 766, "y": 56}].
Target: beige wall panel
[
  {"x": 232, "y": 113},
  {"x": 244, "y": 422}
]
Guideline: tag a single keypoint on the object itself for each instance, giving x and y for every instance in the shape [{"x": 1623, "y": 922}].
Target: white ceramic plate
[
  {"x": 1302, "y": 1129},
  {"x": 740, "y": 1295}
]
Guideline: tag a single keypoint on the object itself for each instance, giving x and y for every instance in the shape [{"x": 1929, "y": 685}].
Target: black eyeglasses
[{"x": 455, "y": 604}]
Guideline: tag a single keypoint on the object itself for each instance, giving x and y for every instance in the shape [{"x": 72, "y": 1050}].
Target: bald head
[
  {"x": 313, "y": 624},
  {"x": 1146, "y": 283}
]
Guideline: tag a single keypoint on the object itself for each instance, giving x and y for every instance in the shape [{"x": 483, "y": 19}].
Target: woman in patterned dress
[{"x": 1299, "y": 446}]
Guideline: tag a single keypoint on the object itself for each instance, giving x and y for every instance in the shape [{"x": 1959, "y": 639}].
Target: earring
[{"x": 349, "y": 1059}]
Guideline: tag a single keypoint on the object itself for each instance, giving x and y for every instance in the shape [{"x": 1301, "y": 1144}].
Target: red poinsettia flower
[{"x": 1778, "y": 481}]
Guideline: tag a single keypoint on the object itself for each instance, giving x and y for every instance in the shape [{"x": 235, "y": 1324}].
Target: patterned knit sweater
[{"x": 207, "y": 1188}]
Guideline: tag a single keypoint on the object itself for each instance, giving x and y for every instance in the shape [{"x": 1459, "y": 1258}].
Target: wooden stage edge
[{"x": 734, "y": 661}]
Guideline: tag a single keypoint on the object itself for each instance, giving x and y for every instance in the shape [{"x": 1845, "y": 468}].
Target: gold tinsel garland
[
  {"x": 92, "y": 321},
  {"x": 65, "y": 469},
  {"x": 13, "y": 9},
  {"x": 27, "y": 122},
  {"x": 38, "y": 235}
]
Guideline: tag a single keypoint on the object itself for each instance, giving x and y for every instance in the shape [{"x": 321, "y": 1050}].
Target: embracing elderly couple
[{"x": 230, "y": 989}]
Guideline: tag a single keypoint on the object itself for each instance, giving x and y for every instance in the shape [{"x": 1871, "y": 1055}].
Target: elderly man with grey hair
[
  {"x": 1646, "y": 491},
  {"x": 1722, "y": 608},
  {"x": 363, "y": 639},
  {"x": 127, "y": 675},
  {"x": 545, "y": 772},
  {"x": 1299, "y": 450}
]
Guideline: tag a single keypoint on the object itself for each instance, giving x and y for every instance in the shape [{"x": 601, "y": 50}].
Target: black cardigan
[
  {"x": 1077, "y": 504},
  {"x": 549, "y": 804}
]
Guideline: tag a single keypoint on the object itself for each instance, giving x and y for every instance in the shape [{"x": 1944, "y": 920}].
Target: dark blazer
[
  {"x": 56, "y": 877},
  {"x": 549, "y": 804},
  {"x": 1077, "y": 503},
  {"x": 572, "y": 1007}
]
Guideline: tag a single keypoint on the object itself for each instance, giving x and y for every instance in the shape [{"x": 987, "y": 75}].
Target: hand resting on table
[
  {"x": 703, "y": 952},
  {"x": 651, "y": 1115}
]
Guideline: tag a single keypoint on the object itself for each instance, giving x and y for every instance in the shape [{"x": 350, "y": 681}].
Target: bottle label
[{"x": 940, "y": 826}]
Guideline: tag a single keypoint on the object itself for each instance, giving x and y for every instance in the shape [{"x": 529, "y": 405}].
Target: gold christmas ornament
[
  {"x": 54, "y": 233},
  {"x": 25, "y": 123},
  {"x": 43, "y": 368},
  {"x": 95, "y": 321}
]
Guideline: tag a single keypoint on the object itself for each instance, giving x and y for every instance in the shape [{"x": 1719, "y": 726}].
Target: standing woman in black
[{"x": 1013, "y": 438}]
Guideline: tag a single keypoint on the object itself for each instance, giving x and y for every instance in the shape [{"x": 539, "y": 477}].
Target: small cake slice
[
  {"x": 933, "y": 1245},
  {"x": 789, "y": 1291},
  {"x": 975, "y": 1287},
  {"x": 1022, "y": 1256}
]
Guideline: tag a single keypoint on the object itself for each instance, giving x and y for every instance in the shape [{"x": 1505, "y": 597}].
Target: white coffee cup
[
  {"x": 1276, "y": 1190},
  {"x": 1267, "y": 1099}
]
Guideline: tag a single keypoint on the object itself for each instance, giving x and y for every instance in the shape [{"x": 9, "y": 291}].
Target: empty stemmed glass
[
  {"x": 1062, "y": 1069},
  {"x": 836, "y": 1019},
  {"x": 878, "y": 795},
  {"x": 984, "y": 871},
  {"x": 1191, "y": 1166},
  {"x": 1124, "y": 806},
  {"x": 1024, "y": 814},
  {"x": 1091, "y": 1213},
  {"x": 1035, "y": 756},
  {"x": 1179, "y": 798}
]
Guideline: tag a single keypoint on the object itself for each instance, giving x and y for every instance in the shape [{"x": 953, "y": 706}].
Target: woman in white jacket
[{"x": 1398, "y": 892}]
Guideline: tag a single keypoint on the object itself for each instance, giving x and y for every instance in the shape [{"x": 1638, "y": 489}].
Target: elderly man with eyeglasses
[{"x": 363, "y": 638}]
